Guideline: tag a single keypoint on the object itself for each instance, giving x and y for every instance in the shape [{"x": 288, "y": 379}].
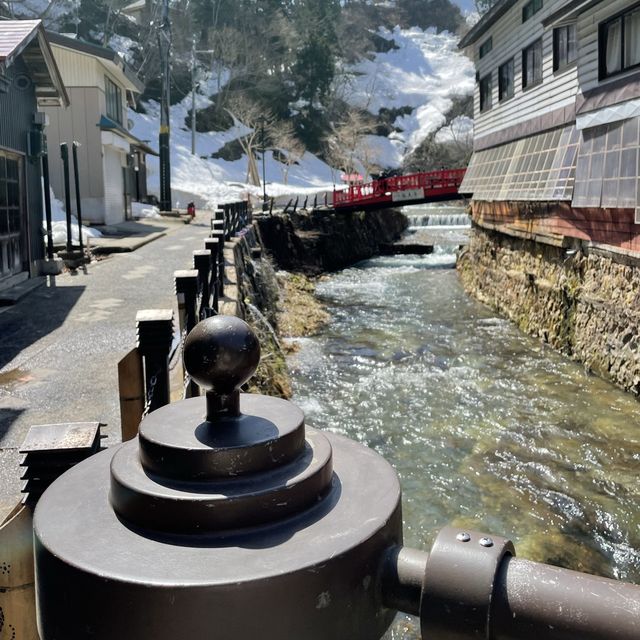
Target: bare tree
[
  {"x": 258, "y": 121},
  {"x": 291, "y": 148},
  {"x": 347, "y": 145}
]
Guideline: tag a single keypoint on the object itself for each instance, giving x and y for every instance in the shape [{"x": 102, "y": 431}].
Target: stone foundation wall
[
  {"x": 317, "y": 242},
  {"x": 584, "y": 302}
]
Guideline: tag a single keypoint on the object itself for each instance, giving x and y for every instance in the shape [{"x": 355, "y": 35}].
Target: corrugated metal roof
[
  {"x": 27, "y": 38},
  {"x": 15, "y": 35}
]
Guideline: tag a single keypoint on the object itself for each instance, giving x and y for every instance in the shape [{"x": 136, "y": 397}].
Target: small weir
[{"x": 487, "y": 428}]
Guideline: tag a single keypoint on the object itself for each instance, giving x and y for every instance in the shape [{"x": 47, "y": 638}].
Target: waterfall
[{"x": 439, "y": 220}]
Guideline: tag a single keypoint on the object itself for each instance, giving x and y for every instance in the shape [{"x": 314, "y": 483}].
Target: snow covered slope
[{"x": 422, "y": 73}]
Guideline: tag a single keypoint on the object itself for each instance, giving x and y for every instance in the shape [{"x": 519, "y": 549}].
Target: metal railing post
[
  {"x": 155, "y": 335},
  {"x": 202, "y": 264},
  {"x": 211, "y": 245},
  {"x": 187, "y": 285}
]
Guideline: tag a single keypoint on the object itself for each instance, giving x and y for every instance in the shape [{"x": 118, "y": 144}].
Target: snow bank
[
  {"x": 140, "y": 210},
  {"x": 59, "y": 225}
]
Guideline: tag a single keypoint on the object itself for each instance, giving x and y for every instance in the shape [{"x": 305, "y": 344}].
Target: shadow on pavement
[
  {"x": 34, "y": 317},
  {"x": 7, "y": 418}
]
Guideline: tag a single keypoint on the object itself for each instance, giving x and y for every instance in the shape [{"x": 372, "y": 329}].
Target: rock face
[
  {"x": 321, "y": 241},
  {"x": 584, "y": 302}
]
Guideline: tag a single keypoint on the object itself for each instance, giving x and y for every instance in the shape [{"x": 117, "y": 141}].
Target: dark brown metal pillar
[
  {"x": 211, "y": 245},
  {"x": 155, "y": 335},
  {"x": 202, "y": 264}
]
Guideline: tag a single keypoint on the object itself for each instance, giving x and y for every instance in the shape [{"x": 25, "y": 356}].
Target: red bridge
[{"x": 434, "y": 186}]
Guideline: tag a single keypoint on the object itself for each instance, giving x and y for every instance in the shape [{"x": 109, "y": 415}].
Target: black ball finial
[{"x": 221, "y": 353}]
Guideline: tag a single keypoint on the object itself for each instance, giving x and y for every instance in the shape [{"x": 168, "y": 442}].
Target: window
[
  {"x": 565, "y": 49},
  {"x": 541, "y": 167},
  {"x": 486, "y": 47},
  {"x": 620, "y": 43},
  {"x": 10, "y": 214},
  {"x": 532, "y": 64},
  {"x": 530, "y": 9},
  {"x": 505, "y": 80},
  {"x": 607, "y": 170},
  {"x": 114, "y": 100},
  {"x": 486, "y": 89}
]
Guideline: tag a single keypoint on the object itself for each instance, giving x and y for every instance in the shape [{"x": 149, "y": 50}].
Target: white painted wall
[
  {"x": 113, "y": 160},
  {"x": 510, "y": 36}
]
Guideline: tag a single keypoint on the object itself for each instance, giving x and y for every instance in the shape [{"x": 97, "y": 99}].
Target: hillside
[{"x": 339, "y": 87}]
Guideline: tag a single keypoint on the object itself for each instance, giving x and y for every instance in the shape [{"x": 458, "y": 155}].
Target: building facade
[
  {"x": 29, "y": 80},
  {"x": 111, "y": 159},
  {"x": 557, "y": 106}
]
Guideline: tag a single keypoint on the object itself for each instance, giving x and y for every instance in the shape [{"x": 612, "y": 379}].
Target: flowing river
[{"x": 487, "y": 428}]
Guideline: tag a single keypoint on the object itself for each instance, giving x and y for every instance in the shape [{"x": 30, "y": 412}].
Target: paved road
[{"x": 60, "y": 345}]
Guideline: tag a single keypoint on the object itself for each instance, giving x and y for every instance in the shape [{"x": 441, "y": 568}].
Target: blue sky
[{"x": 465, "y": 5}]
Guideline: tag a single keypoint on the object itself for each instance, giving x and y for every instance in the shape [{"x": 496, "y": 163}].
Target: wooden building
[
  {"x": 112, "y": 164},
  {"x": 29, "y": 80},
  {"x": 557, "y": 120}
]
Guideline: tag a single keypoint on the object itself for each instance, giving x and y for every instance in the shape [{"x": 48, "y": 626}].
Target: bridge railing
[{"x": 432, "y": 182}]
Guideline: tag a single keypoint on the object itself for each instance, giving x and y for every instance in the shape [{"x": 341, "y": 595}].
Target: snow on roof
[
  {"x": 27, "y": 38},
  {"x": 15, "y": 35}
]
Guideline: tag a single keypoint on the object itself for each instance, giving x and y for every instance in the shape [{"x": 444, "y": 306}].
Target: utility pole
[
  {"x": 164, "y": 45},
  {"x": 194, "y": 51},
  {"x": 193, "y": 96},
  {"x": 264, "y": 172}
]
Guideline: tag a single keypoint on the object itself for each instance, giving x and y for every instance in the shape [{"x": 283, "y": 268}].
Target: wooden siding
[
  {"x": 80, "y": 123},
  {"x": 588, "y": 28},
  {"x": 114, "y": 185},
  {"x": 510, "y": 36},
  {"x": 17, "y": 108},
  {"x": 77, "y": 69},
  {"x": 82, "y": 70},
  {"x": 612, "y": 227}
]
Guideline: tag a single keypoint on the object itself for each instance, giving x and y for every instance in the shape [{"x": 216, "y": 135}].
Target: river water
[{"x": 487, "y": 428}]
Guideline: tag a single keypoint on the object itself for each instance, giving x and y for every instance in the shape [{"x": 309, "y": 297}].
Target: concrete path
[{"x": 60, "y": 345}]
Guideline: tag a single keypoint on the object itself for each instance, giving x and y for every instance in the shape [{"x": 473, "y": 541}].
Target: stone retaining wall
[
  {"x": 317, "y": 242},
  {"x": 583, "y": 301}
]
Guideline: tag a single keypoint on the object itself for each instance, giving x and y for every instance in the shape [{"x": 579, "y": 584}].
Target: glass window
[
  {"x": 620, "y": 43},
  {"x": 486, "y": 47},
  {"x": 530, "y": 9},
  {"x": 608, "y": 166},
  {"x": 540, "y": 167},
  {"x": 632, "y": 38},
  {"x": 565, "y": 50},
  {"x": 113, "y": 97},
  {"x": 505, "y": 80},
  {"x": 486, "y": 89},
  {"x": 532, "y": 64}
]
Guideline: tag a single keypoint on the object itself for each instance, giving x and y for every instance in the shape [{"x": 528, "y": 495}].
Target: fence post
[
  {"x": 187, "y": 285},
  {"x": 131, "y": 388},
  {"x": 202, "y": 263},
  {"x": 211, "y": 244},
  {"x": 219, "y": 236},
  {"x": 155, "y": 335}
]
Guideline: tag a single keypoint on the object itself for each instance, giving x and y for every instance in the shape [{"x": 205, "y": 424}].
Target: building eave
[
  {"x": 569, "y": 11},
  {"x": 486, "y": 22},
  {"x": 109, "y": 58}
]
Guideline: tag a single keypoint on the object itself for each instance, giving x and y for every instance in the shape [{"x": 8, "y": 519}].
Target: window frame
[
  {"x": 602, "y": 49},
  {"x": 504, "y": 98},
  {"x": 486, "y": 107},
  {"x": 557, "y": 67},
  {"x": 481, "y": 49},
  {"x": 535, "y": 82},
  {"x": 536, "y": 6},
  {"x": 113, "y": 92}
]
